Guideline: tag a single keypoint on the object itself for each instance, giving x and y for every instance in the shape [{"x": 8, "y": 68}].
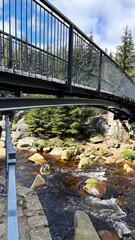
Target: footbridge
[{"x": 43, "y": 52}]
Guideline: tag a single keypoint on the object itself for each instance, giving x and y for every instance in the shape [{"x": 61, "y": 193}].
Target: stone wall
[{"x": 33, "y": 224}]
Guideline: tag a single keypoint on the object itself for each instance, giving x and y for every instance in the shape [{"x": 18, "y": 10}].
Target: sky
[{"x": 106, "y": 18}]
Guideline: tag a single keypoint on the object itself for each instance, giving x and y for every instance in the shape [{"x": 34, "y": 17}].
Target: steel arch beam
[{"x": 16, "y": 103}]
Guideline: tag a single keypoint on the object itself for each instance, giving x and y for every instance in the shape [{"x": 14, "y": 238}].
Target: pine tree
[{"x": 125, "y": 55}]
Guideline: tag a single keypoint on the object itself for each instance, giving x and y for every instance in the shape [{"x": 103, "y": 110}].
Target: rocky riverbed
[{"x": 96, "y": 177}]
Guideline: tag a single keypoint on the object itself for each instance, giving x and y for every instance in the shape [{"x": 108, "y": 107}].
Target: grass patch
[
  {"x": 106, "y": 153},
  {"x": 128, "y": 155}
]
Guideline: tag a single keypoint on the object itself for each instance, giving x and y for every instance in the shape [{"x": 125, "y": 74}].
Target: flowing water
[{"x": 64, "y": 194}]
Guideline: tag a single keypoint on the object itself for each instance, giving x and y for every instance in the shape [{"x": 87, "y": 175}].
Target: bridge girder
[{"x": 17, "y": 103}]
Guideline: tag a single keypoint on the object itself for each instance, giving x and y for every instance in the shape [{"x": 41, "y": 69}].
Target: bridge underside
[{"x": 17, "y": 103}]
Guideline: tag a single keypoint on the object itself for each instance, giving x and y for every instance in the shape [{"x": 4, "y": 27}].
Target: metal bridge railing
[
  {"x": 12, "y": 222},
  {"x": 37, "y": 38}
]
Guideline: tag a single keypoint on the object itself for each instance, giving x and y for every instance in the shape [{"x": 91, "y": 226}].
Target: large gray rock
[
  {"x": 21, "y": 135},
  {"x": 66, "y": 154},
  {"x": 84, "y": 229},
  {"x": 27, "y": 142},
  {"x": 56, "y": 151},
  {"x": 22, "y": 127}
]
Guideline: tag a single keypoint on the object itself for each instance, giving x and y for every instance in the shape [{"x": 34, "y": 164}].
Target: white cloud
[
  {"x": 106, "y": 18},
  {"x": 6, "y": 26}
]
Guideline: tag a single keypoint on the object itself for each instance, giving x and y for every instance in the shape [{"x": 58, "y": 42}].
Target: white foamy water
[
  {"x": 98, "y": 173},
  {"x": 109, "y": 210},
  {"x": 121, "y": 228}
]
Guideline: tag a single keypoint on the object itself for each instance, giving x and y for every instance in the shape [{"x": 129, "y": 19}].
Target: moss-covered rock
[
  {"x": 55, "y": 142},
  {"x": 105, "y": 153},
  {"x": 96, "y": 140},
  {"x": 85, "y": 162},
  {"x": 45, "y": 170},
  {"x": 39, "y": 145},
  {"x": 84, "y": 229},
  {"x": 95, "y": 187}
]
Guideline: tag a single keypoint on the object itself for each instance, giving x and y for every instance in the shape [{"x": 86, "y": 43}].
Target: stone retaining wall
[{"x": 33, "y": 224}]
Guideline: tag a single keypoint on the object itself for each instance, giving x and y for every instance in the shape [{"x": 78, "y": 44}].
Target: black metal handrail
[
  {"x": 12, "y": 222},
  {"x": 37, "y": 38}
]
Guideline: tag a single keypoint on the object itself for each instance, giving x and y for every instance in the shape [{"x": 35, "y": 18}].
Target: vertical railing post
[
  {"x": 70, "y": 59},
  {"x": 53, "y": 67},
  {"x": 124, "y": 85},
  {"x": 100, "y": 71},
  {"x": 115, "y": 81},
  {"x": 10, "y": 51}
]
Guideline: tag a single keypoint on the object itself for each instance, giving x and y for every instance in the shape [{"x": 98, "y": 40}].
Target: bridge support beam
[{"x": 17, "y": 103}]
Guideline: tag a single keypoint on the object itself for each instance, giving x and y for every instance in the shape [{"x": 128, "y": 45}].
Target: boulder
[
  {"x": 2, "y": 144},
  {"x": 84, "y": 229},
  {"x": 45, "y": 170},
  {"x": 22, "y": 127},
  {"x": 46, "y": 149},
  {"x": 3, "y": 124},
  {"x": 37, "y": 158},
  {"x": 126, "y": 166},
  {"x": 128, "y": 237},
  {"x": 76, "y": 152},
  {"x": 38, "y": 182},
  {"x": 21, "y": 121},
  {"x": 25, "y": 141},
  {"x": 2, "y": 153},
  {"x": 130, "y": 170},
  {"x": 66, "y": 155},
  {"x": 84, "y": 162},
  {"x": 32, "y": 150},
  {"x": 96, "y": 140},
  {"x": 82, "y": 155},
  {"x": 55, "y": 142},
  {"x": 113, "y": 144},
  {"x": 21, "y": 135},
  {"x": 56, "y": 151},
  {"x": 133, "y": 234},
  {"x": 92, "y": 156},
  {"x": 106, "y": 235},
  {"x": 95, "y": 187},
  {"x": 110, "y": 160},
  {"x": 39, "y": 145}
]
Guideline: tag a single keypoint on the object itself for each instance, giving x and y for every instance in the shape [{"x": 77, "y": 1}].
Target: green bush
[{"x": 69, "y": 121}]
